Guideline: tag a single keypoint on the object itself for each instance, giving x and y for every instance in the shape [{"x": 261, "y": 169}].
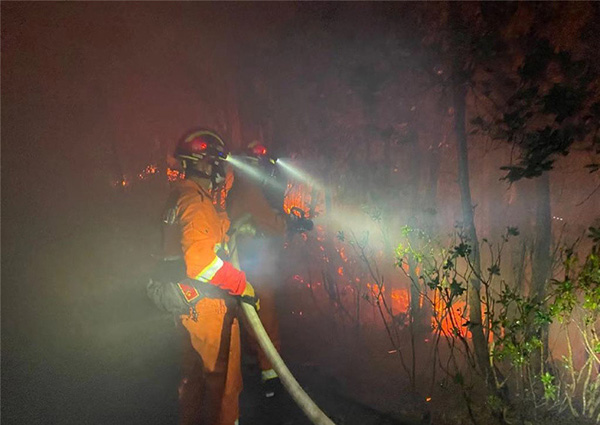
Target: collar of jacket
[{"x": 193, "y": 185}]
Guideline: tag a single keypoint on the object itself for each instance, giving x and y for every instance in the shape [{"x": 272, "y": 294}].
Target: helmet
[
  {"x": 201, "y": 144},
  {"x": 257, "y": 155},
  {"x": 256, "y": 149},
  {"x": 258, "y": 152}
]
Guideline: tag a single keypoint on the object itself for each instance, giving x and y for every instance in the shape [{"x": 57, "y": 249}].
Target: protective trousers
[{"x": 212, "y": 377}]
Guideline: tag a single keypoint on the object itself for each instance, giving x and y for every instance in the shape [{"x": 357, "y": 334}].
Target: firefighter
[
  {"x": 255, "y": 207},
  {"x": 212, "y": 381}
]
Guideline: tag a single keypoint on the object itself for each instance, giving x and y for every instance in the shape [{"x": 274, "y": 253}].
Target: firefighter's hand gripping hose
[
  {"x": 249, "y": 297},
  {"x": 303, "y": 400}
]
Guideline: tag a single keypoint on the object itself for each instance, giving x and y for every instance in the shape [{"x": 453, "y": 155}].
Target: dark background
[{"x": 90, "y": 91}]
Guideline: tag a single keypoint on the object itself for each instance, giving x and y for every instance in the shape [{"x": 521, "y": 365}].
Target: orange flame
[
  {"x": 400, "y": 300},
  {"x": 174, "y": 175},
  {"x": 150, "y": 169},
  {"x": 123, "y": 183},
  {"x": 343, "y": 255},
  {"x": 300, "y": 195},
  {"x": 297, "y": 195},
  {"x": 449, "y": 320}
]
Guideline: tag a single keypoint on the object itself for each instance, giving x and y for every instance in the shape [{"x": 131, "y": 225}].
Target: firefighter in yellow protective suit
[
  {"x": 259, "y": 239},
  {"x": 212, "y": 381},
  {"x": 262, "y": 226}
]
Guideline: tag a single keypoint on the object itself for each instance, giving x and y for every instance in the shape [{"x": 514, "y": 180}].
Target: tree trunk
[
  {"x": 542, "y": 261},
  {"x": 430, "y": 200},
  {"x": 430, "y": 220},
  {"x": 415, "y": 201},
  {"x": 543, "y": 239},
  {"x": 474, "y": 299}
]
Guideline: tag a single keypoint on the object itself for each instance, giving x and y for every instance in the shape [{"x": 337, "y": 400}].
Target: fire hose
[{"x": 302, "y": 399}]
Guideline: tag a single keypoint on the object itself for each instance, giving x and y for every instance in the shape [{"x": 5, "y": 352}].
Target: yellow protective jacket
[{"x": 203, "y": 234}]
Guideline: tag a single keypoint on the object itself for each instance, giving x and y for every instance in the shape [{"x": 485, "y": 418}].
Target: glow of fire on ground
[{"x": 444, "y": 320}]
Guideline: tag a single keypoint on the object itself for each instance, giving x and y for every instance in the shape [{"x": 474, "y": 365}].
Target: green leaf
[
  {"x": 406, "y": 230},
  {"x": 456, "y": 289},
  {"x": 512, "y": 231},
  {"x": 494, "y": 270},
  {"x": 550, "y": 389},
  {"x": 563, "y": 101},
  {"x": 434, "y": 283},
  {"x": 462, "y": 250},
  {"x": 594, "y": 234}
]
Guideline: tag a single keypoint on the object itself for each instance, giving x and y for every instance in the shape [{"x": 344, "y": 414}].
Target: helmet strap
[
  {"x": 197, "y": 173},
  {"x": 217, "y": 171}
]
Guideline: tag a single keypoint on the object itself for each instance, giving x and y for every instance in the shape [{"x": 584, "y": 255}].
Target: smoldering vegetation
[{"x": 362, "y": 98}]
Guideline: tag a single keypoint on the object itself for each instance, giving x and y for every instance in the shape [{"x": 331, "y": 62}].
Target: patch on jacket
[{"x": 190, "y": 293}]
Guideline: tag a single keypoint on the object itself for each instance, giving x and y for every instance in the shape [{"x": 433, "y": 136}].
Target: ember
[{"x": 174, "y": 175}]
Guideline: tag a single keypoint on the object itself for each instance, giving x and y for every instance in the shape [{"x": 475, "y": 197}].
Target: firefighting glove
[{"x": 249, "y": 297}]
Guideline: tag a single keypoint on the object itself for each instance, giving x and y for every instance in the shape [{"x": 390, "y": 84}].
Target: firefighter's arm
[
  {"x": 205, "y": 266},
  {"x": 264, "y": 217}
]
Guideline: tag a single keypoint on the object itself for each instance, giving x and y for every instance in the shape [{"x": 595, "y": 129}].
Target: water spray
[
  {"x": 299, "y": 174},
  {"x": 241, "y": 164}
]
